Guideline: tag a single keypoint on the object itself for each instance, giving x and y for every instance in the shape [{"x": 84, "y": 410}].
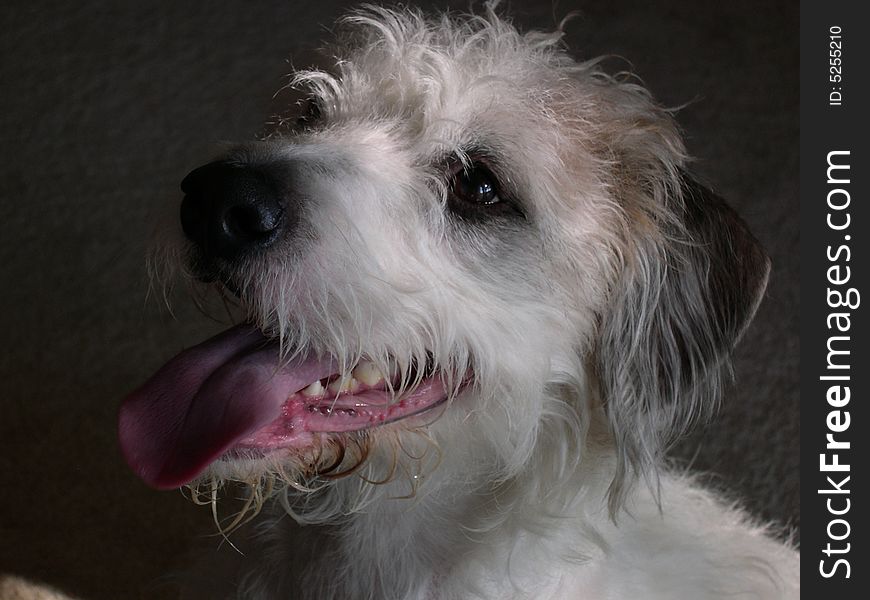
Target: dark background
[{"x": 104, "y": 109}]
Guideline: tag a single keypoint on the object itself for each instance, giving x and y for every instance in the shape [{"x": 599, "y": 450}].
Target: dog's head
[{"x": 467, "y": 238}]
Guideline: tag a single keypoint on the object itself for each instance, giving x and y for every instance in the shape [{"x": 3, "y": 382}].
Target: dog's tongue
[{"x": 206, "y": 399}]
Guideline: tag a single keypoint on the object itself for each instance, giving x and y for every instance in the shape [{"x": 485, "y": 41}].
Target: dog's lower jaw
[{"x": 452, "y": 526}]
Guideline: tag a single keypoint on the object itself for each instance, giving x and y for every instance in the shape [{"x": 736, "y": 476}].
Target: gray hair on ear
[{"x": 686, "y": 293}]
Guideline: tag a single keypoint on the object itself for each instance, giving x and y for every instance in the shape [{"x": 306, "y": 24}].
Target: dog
[{"x": 481, "y": 295}]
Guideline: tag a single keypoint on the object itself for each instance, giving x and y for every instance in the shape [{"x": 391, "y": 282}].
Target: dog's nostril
[
  {"x": 253, "y": 220},
  {"x": 230, "y": 210}
]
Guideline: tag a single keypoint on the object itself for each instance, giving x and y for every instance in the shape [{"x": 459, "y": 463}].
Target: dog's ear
[{"x": 685, "y": 295}]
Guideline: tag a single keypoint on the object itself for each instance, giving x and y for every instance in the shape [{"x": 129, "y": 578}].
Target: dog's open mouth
[{"x": 233, "y": 395}]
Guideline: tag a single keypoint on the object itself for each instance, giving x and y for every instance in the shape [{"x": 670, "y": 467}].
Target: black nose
[{"x": 230, "y": 210}]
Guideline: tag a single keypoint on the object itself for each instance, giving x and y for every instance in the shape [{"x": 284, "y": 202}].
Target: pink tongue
[{"x": 203, "y": 401}]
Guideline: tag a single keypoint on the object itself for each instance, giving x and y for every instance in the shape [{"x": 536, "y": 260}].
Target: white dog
[{"x": 482, "y": 297}]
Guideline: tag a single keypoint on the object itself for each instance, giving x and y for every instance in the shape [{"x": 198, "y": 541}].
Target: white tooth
[
  {"x": 341, "y": 385},
  {"x": 315, "y": 389},
  {"x": 366, "y": 372}
]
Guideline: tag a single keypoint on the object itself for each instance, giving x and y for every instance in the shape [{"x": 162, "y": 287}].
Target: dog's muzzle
[{"x": 231, "y": 210}]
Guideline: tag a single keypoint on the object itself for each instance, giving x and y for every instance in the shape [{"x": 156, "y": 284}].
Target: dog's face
[{"x": 467, "y": 238}]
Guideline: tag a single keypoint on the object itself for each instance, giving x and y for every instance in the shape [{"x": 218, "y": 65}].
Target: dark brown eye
[
  {"x": 475, "y": 195},
  {"x": 474, "y": 185}
]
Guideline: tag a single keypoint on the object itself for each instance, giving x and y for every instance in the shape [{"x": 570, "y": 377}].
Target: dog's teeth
[
  {"x": 366, "y": 372},
  {"x": 339, "y": 385},
  {"x": 315, "y": 389},
  {"x": 345, "y": 383}
]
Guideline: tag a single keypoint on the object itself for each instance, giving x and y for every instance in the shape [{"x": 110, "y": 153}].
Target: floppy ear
[{"x": 689, "y": 287}]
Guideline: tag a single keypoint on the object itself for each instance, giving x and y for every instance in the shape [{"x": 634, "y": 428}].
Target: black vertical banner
[{"x": 835, "y": 370}]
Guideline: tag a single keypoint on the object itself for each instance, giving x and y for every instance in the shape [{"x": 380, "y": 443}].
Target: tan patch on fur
[{"x": 16, "y": 588}]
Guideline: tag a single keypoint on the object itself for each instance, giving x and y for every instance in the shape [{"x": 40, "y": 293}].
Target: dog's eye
[
  {"x": 473, "y": 193},
  {"x": 475, "y": 185}
]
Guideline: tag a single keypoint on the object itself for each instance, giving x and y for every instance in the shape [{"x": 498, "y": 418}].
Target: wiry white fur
[{"x": 524, "y": 485}]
